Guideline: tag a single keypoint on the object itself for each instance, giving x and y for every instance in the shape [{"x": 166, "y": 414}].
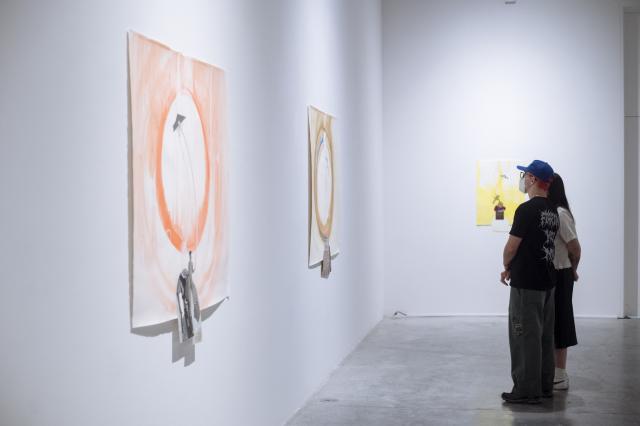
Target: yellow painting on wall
[{"x": 497, "y": 193}]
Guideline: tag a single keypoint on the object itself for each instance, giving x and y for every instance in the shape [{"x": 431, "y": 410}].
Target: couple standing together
[{"x": 540, "y": 260}]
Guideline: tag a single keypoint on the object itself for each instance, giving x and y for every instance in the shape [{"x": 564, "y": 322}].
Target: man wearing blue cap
[{"x": 528, "y": 269}]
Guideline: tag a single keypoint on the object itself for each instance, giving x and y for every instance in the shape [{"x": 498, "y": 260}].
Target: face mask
[{"x": 522, "y": 185}]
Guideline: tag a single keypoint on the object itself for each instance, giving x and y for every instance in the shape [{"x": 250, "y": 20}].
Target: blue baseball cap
[{"x": 539, "y": 169}]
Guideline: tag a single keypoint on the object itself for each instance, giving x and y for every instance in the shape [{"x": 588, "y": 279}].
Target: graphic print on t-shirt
[
  {"x": 536, "y": 223},
  {"x": 549, "y": 224}
]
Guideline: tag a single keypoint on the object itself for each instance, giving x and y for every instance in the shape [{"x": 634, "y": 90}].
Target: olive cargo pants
[{"x": 531, "y": 324}]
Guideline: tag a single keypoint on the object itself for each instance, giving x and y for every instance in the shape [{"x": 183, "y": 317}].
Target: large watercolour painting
[
  {"x": 323, "y": 229},
  {"x": 179, "y": 184},
  {"x": 497, "y": 193}
]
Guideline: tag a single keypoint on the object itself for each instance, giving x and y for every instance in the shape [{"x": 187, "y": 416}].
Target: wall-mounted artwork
[
  {"x": 497, "y": 193},
  {"x": 179, "y": 186},
  {"x": 323, "y": 226}
]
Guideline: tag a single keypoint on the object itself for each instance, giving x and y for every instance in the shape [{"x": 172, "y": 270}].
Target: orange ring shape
[{"x": 171, "y": 229}]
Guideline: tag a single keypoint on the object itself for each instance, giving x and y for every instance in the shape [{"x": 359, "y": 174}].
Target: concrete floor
[{"x": 451, "y": 371}]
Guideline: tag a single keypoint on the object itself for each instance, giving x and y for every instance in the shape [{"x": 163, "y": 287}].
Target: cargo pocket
[
  {"x": 515, "y": 311},
  {"x": 516, "y": 325}
]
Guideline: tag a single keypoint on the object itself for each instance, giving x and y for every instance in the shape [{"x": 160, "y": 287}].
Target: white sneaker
[{"x": 561, "y": 384}]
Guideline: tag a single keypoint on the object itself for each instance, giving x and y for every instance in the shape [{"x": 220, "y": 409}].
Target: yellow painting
[{"x": 497, "y": 193}]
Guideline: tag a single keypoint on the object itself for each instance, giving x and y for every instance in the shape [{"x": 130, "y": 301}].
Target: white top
[{"x": 566, "y": 234}]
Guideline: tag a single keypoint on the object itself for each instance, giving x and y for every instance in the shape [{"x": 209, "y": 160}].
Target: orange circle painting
[
  {"x": 182, "y": 200},
  {"x": 178, "y": 179}
]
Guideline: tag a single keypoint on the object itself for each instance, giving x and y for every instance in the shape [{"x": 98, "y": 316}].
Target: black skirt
[{"x": 565, "y": 327}]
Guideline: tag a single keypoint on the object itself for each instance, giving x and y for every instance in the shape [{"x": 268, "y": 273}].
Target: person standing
[
  {"x": 528, "y": 268},
  {"x": 567, "y": 257}
]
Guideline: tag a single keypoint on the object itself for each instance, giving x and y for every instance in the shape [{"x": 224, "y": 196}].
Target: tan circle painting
[{"x": 323, "y": 186}]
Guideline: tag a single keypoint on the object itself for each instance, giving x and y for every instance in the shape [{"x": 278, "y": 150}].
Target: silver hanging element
[
  {"x": 326, "y": 261},
  {"x": 188, "y": 306}
]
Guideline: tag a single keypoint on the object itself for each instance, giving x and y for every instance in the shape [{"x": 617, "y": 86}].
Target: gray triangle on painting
[{"x": 179, "y": 120}]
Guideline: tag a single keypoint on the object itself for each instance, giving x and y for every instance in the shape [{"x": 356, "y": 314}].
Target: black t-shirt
[{"x": 536, "y": 222}]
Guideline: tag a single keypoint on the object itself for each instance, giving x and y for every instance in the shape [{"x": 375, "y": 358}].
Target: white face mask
[{"x": 522, "y": 186}]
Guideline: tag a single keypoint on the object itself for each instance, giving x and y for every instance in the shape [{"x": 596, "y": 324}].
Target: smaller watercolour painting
[{"x": 323, "y": 227}]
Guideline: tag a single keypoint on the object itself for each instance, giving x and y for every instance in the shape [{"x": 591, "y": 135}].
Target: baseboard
[
  {"x": 597, "y": 316},
  {"x": 443, "y": 314}
]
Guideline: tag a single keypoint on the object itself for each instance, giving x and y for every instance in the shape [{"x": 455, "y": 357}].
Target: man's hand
[
  {"x": 505, "y": 277},
  {"x": 575, "y": 275}
]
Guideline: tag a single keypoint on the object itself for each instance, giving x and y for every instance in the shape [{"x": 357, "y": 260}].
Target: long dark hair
[{"x": 557, "y": 196}]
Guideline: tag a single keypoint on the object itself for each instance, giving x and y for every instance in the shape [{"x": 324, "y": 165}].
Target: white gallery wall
[
  {"x": 68, "y": 356},
  {"x": 631, "y": 158},
  {"x": 478, "y": 79}
]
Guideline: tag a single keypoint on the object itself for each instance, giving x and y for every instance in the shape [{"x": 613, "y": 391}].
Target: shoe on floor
[
  {"x": 513, "y": 399},
  {"x": 547, "y": 394},
  {"x": 562, "y": 384}
]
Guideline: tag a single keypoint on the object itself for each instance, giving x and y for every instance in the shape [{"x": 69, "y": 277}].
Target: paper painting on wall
[
  {"x": 497, "y": 193},
  {"x": 179, "y": 185},
  {"x": 323, "y": 226}
]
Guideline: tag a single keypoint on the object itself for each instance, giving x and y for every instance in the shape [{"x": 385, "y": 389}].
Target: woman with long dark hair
[{"x": 566, "y": 262}]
